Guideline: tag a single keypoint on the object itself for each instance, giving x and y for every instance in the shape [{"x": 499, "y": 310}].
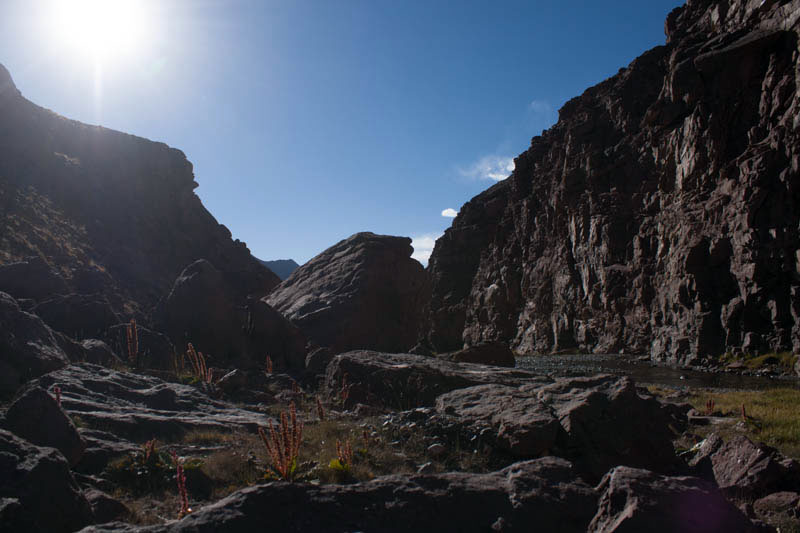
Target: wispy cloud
[
  {"x": 449, "y": 213},
  {"x": 541, "y": 107},
  {"x": 490, "y": 167},
  {"x": 423, "y": 246},
  {"x": 541, "y": 114}
]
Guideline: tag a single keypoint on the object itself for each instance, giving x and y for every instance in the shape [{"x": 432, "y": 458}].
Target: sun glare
[{"x": 100, "y": 28}]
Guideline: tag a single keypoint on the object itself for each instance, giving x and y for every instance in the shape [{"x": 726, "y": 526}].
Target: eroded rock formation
[
  {"x": 659, "y": 215},
  {"x": 364, "y": 292}
]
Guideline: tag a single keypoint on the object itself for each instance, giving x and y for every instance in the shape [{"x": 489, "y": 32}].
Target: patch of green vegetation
[
  {"x": 773, "y": 415},
  {"x": 145, "y": 471},
  {"x": 784, "y": 360}
]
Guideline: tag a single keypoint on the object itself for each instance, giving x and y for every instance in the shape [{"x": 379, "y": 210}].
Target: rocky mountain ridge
[
  {"x": 282, "y": 268},
  {"x": 659, "y": 215},
  {"x": 108, "y": 212}
]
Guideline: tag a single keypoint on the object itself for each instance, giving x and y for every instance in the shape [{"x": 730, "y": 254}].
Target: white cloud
[
  {"x": 423, "y": 246},
  {"x": 541, "y": 107},
  {"x": 449, "y": 213},
  {"x": 490, "y": 167}
]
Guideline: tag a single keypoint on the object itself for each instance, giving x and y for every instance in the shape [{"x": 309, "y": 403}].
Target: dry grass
[
  {"x": 783, "y": 360},
  {"x": 209, "y": 437},
  {"x": 773, "y": 415},
  {"x": 235, "y": 467}
]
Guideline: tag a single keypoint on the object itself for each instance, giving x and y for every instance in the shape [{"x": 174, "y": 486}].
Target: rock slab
[
  {"x": 541, "y": 495},
  {"x": 405, "y": 381}
]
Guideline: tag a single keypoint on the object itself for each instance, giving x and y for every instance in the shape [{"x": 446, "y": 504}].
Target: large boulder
[
  {"x": 608, "y": 423},
  {"x": 364, "y": 292},
  {"x": 541, "y": 495},
  {"x": 267, "y": 332},
  {"x": 745, "y": 470},
  {"x": 37, "y": 417},
  {"x": 485, "y": 353},
  {"x": 633, "y": 500},
  {"x": 404, "y": 381},
  {"x": 523, "y": 425},
  {"x": 28, "y": 347},
  {"x": 203, "y": 308},
  {"x": 597, "y": 422},
  {"x": 37, "y": 489}
]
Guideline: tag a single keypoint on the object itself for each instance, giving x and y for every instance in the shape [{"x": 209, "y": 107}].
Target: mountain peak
[{"x": 6, "y": 82}]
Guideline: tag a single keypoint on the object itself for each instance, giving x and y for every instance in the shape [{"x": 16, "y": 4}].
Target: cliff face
[
  {"x": 659, "y": 215},
  {"x": 110, "y": 212}
]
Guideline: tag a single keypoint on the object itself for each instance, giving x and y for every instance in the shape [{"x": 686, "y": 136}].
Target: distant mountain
[{"x": 282, "y": 268}]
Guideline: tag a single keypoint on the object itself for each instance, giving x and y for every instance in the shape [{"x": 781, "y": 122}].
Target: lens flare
[{"x": 102, "y": 29}]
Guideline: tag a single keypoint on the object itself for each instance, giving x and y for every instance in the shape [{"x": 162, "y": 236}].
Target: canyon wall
[{"x": 659, "y": 215}]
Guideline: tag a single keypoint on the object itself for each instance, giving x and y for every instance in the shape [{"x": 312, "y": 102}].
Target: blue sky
[{"x": 308, "y": 121}]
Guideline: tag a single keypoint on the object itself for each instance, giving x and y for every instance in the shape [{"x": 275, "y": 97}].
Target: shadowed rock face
[
  {"x": 37, "y": 490},
  {"x": 541, "y": 495},
  {"x": 404, "y": 381},
  {"x": 660, "y": 214},
  {"x": 202, "y": 309},
  {"x": 637, "y": 500},
  {"x": 28, "y": 348},
  {"x": 363, "y": 292},
  {"x": 107, "y": 211}
]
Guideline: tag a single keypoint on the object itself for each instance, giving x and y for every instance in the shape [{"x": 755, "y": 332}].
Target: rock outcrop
[
  {"x": 202, "y": 308},
  {"x": 637, "y": 500},
  {"x": 598, "y": 422},
  {"x": 659, "y": 215},
  {"x": 106, "y": 211},
  {"x": 28, "y": 348},
  {"x": 540, "y": 495},
  {"x": 37, "y": 417},
  {"x": 37, "y": 490},
  {"x": 136, "y": 408},
  {"x": 364, "y": 292},
  {"x": 405, "y": 381}
]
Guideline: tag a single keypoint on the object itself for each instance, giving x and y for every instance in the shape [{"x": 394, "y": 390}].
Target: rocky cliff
[
  {"x": 659, "y": 215},
  {"x": 110, "y": 213}
]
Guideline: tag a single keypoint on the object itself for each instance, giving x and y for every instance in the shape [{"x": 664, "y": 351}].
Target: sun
[{"x": 102, "y": 29}]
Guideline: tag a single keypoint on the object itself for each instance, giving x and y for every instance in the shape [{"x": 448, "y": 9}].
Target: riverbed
[{"x": 646, "y": 373}]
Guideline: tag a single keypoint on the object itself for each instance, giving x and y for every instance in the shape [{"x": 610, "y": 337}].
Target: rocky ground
[{"x": 390, "y": 442}]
